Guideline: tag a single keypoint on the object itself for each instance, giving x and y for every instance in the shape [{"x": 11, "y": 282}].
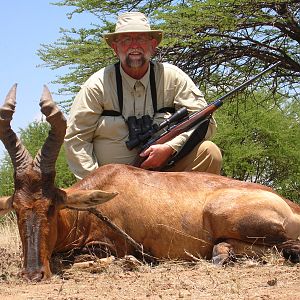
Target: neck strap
[{"x": 120, "y": 94}]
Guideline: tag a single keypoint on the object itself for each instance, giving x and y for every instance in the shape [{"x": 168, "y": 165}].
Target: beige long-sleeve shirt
[{"x": 93, "y": 140}]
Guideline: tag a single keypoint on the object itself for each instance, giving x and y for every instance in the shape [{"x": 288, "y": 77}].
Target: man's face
[{"x": 134, "y": 49}]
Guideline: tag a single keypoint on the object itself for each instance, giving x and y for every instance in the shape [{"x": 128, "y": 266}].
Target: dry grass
[
  {"x": 10, "y": 249},
  {"x": 9, "y": 234},
  {"x": 268, "y": 278}
]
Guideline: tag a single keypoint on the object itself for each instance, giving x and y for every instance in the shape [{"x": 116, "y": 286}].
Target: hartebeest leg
[
  {"x": 227, "y": 251},
  {"x": 223, "y": 254},
  {"x": 291, "y": 250}
]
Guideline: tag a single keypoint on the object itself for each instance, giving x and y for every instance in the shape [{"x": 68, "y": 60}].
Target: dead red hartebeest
[{"x": 173, "y": 215}]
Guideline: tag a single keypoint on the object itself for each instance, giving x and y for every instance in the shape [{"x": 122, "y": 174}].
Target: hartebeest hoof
[
  {"x": 223, "y": 254},
  {"x": 291, "y": 250}
]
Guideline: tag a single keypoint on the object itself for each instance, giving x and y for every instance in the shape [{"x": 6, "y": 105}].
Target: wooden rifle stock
[
  {"x": 195, "y": 118},
  {"x": 172, "y": 132}
]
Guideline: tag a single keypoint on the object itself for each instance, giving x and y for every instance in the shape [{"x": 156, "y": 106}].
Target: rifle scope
[{"x": 138, "y": 137}]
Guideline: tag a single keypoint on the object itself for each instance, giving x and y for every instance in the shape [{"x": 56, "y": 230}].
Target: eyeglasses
[{"x": 128, "y": 40}]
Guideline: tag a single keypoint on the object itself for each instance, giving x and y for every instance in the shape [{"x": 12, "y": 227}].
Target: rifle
[{"x": 182, "y": 122}]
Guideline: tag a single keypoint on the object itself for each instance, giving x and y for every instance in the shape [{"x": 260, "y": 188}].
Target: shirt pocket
[{"x": 112, "y": 128}]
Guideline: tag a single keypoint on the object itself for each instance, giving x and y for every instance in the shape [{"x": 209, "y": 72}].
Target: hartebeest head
[{"x": 36, "y": 200}]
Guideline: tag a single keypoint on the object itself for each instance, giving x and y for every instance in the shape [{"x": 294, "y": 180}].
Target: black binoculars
[{"x": 142, "y": 129}]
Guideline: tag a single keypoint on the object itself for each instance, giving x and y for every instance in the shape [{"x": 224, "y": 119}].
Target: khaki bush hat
[{"x": 132, "y": 22}]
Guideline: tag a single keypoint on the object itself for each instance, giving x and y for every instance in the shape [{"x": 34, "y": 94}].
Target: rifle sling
[{"x": 196, "y": 137}]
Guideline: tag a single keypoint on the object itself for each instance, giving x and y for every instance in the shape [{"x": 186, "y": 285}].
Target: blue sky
[{"x": 24, "y": 26}]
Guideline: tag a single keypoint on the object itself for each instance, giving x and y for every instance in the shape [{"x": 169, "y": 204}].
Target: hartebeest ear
[
  {"x": 5, "y": 205},
  {"x": 87, "y": 198}
]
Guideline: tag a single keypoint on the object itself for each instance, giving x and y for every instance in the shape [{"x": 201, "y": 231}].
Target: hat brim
[{"x": 110, "y": 37}]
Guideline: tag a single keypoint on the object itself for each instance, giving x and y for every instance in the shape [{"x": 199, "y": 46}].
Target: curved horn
[
  {"x": 46, "y": 157},
  {"x": 19, "y": 155}
]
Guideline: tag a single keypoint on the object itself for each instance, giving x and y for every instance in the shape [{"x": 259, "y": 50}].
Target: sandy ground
[{"x": 92, "y": 278}]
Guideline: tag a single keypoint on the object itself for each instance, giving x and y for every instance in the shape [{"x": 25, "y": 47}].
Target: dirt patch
[
  {"x": 92, "y": 278},
  {"x": 10, "y": 265}
]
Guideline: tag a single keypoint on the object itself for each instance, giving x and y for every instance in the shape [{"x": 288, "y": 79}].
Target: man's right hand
[{"x": 156, "y": 156}]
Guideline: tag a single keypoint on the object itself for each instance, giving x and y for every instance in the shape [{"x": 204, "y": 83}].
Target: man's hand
[{"x": 157, "y": 156}]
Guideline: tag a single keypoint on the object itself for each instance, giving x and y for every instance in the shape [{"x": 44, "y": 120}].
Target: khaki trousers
[{"x": 205, "y": 157}]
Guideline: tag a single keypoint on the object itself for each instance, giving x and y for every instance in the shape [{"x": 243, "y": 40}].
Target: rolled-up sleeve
[{"x": 82, "y": 123}]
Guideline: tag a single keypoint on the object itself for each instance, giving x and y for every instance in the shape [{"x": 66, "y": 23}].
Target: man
[{"x": 98, "y": 128}]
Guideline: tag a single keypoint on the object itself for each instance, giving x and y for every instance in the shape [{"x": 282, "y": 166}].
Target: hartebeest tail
[{"x": 173, "y": 215}]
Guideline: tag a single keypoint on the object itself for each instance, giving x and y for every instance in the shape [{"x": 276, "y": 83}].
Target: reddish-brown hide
[{"x": 173, "y": 215}]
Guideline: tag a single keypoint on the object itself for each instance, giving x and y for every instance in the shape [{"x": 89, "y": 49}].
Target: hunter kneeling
[{"x": 136, "y": 93}]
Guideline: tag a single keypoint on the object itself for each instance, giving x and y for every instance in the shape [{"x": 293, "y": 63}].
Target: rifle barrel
[
  {"x": 195, "y": 118},
  {"x": 246, "y": 83}
]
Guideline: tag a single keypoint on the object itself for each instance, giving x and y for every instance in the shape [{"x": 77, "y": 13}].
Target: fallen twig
[{"x": 120, "y": 231}]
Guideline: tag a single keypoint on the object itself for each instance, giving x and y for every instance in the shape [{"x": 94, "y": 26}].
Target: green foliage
[
  {"x": 6, "y": 177},
  {"x": 215, "y": 42},
  {"x": 219, "y": 44},
  {"x": 260, "y": 142},
  {"x": 64, "y": 178},
  {"x": 33, "y": 137}
]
